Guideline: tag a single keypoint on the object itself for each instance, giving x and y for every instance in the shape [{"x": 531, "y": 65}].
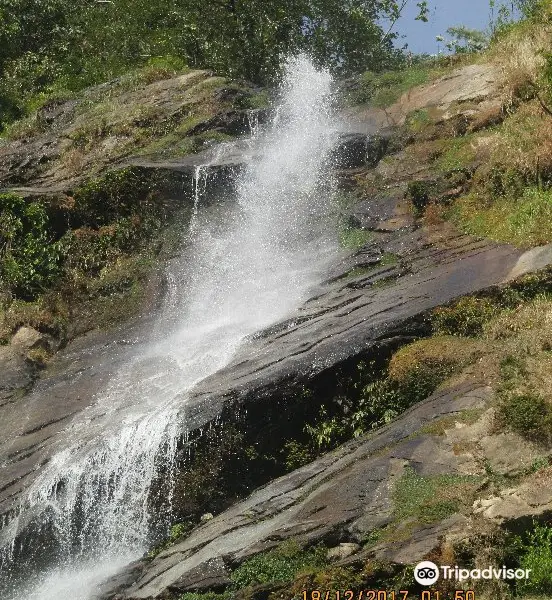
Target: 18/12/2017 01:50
[{"x": 386, "y": 595}]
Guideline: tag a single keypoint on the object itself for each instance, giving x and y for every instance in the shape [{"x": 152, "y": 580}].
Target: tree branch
[
  {"x": 546, "y": 109},
  {"x": 394, "y": 21}
]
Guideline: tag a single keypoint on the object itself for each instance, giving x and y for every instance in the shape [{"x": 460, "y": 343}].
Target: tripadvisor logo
[{"x": 428, "y": 573}]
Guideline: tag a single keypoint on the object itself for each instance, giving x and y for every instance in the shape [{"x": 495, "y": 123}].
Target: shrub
[
  {"x": 117, "y": 194},
  {"x": 534, "y": 551},
  {"x": 420, "y": 367},
  {"x": 528, "y": 414},
  {"x": 89, "y": 250},
  {"x": 466, "y": 317},
  {"x": 419, "y": 193},
  {"x": 296, "y": 455},
  {"x": 279, "y": 565},
  {"x": 29, "y": 258}
]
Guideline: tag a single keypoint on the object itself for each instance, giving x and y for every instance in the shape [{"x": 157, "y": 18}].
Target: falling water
[{"x": 250, "y": 263}]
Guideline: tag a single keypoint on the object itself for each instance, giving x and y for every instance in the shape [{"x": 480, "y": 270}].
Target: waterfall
[{"x": 249, "y": 263}]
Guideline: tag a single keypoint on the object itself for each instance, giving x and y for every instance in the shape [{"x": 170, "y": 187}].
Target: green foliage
[
  {"x": 458, "y": 154},
  {"x": 383, "y": 89},
  {"x": 430, "y": 499},
  {"x": 418, "y": 120},
  {"x": 48, "y": 45},
  {"x": 521, "y": 409},
  {"x": 525, "y": 220},
  {"x": 505, "y": 13},
  {"x": 328, "y": 432},
  {"x": 512, "y": 368},
  {"x": 464, "y": 40},
  {"x": 528, "y": 414},
  {"x": 368, "y": 400},
  {"x": 419, "y": 192},
  {"x": 280, "y": 565},
  {"x": 466, "y": 317},
  {"x": 119, "y": 193},
  {"x": 371, "y": 396},
  {"x": 206, "y": 596},
  {"x": 296, "y": 454},
  {"x": 533, "y": 551},
  {"x": 92, "y": 275},
  {"x": 419, "y": 368},
  {"x": 88, "y": 250},
  {"x": 354, "y": 238},
  {"x": 29, "y": 258}
]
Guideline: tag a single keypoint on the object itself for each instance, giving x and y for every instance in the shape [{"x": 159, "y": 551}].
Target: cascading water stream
[{"x": 250, "y": 263}]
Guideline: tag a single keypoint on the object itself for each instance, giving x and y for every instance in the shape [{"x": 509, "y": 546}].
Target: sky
[{"x": 443, "y": 14}]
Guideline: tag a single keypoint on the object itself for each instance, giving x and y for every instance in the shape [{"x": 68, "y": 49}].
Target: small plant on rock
[
  {"x": 465, "y": 317},
  {"x": 279, "y": 565}
]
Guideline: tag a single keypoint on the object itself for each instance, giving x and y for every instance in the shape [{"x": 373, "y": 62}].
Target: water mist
[{"x": 250, "y": 262}]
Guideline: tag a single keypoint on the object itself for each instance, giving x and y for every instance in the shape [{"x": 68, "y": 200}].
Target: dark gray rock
[
  {"x": 17, "y": 374},
  {"x": 210, "y": 575},
  {"x": 355, "y": 150},
  {"x": 338, "y": 498}
]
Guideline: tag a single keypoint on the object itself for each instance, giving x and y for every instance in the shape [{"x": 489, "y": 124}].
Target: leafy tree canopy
[{"x": 62, "y": 44}]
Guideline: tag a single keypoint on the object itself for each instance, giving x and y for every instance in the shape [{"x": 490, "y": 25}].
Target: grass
[
  {"x": 418, "y": 120},
  {"x": 528, "y": 414},
  {"x": 465, "y": 317},
  {"x": 439, "y": 427},
  {"x": 525, "y": 221},
  {"x": 280, "y": 565},
  {"x": 384, "y": 89},
  {"x": 523, "y": 408},
  {"x": 534, "y": 550},
  {"x": 354, "y": 238},
  {"x": 206, "y": 596},
  {"x": 420, "y": 367},
  {"x": 433, "y": 498},
  {"x": 458, "y": 153}
]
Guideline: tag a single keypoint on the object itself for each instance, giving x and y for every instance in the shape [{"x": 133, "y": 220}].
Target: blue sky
[{"x": 444, "y": 14}]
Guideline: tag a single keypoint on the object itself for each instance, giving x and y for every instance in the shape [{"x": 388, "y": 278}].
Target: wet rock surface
[
  {"x": 349, "y": 315},
  {"x": 339, "y": 498},
  {"x": 366, "y": 303},
  {"x": 31, "y": 424},
  {"x": 357, "y": 312}
]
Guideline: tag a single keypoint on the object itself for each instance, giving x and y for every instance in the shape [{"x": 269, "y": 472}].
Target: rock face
[
  {"x": 69, "y": 141},
  {"x": 16, "y": 365},
  {"x": 349, "y": 315},
  {"x": 367, "y": 302},
  {"x": 466, "y": 92},
  {"x": 31, "y": 423},
  {"x": 339, "y": 498},
  {"x": 357, "y": 312}
]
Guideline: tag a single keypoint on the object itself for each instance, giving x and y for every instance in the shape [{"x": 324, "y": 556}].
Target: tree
[
  {"x": 465, "y": 40},
  {"x": 53, "y": 44}
]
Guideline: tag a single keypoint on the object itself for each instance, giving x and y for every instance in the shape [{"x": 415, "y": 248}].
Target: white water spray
[{"x": 252, "y": 263}]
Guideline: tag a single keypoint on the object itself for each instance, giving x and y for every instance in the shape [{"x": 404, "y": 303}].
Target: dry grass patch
[
  {"x": 520, "y": 54},
  {"x": 525, "y": 221},
  {"x": 533, "y": 320},
  {"x": 422, "y": 366}
]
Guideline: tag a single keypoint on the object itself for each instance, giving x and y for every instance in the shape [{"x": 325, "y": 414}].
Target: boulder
[
  {"x": 342, "y": 551},
  {"x": 27, "y": 338}
]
